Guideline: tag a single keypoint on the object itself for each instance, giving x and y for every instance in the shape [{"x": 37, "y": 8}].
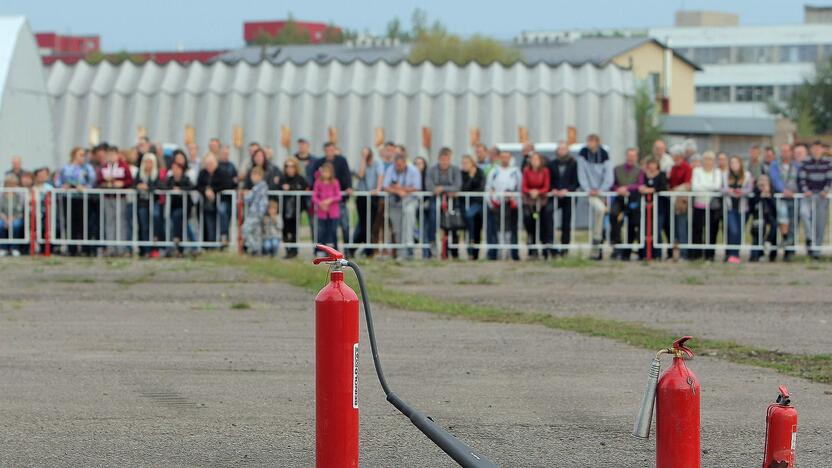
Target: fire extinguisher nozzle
[{"x": 644, "y": 419}]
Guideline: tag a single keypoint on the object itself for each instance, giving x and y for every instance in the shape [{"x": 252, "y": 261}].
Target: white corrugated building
[
  {"x": 25, "y": 120},
  {"x": 354, "y": 97}
]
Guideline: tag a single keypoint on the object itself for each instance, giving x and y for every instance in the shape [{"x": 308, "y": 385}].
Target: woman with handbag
[
  {"x": 535, "y": 188},
  {"x": 737, "y": 184},
  {"x": 707, "y": 209}
]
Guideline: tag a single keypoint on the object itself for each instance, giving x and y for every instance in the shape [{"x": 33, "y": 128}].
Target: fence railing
[{"x": 496, "y": 224}]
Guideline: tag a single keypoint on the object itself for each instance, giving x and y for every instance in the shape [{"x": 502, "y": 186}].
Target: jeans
[
  {"x": 344, "y": 221},
  {"x": 213, "y": 218},
  {"x": 270, "y": 246},
  {"x": 681, "y": 234},
  {"x": 144, "y": 217},
  {"x": 175, "y": 227},
  {"x": 473, "y": 228},
  {"x": 814, "y": 211},
  {"x": 789, "y": 207},
  {"x": 16, "y": 231},
  {"x": 629, "y": 208},
  {"x": 564, "y": 205},
  {"x": 705, "y": 229},
  {"x": 502, "y": 221},
  {"x": 328, "y": 232},
  {"x": 734, "y": 224}
]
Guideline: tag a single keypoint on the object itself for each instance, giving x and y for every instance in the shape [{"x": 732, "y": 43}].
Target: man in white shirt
[{"x": 502, "y": 205}]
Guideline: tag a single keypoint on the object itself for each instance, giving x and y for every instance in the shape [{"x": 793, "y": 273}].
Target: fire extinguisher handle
[
  {"x": 679, "y": 345},
  {"x": 332, "y": 254},
  {"x": 784, "y": 393}
]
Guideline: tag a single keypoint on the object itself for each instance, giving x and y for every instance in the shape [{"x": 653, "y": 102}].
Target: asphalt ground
[{"x": 181, "y": 363}]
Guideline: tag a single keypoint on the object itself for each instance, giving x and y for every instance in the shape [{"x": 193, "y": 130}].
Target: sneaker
[
  {"x": 3, "y": 253},
  {"x": 734, "y": 260},
  {"x": 154, "y": 254},
  {"x": 15, "y": 253}
]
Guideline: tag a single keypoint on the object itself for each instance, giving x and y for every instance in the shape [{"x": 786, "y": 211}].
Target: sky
[{"x": 218, "y": 24}]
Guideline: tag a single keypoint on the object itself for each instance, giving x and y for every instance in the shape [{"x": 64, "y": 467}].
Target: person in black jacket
[
  {"x": 271, "y": 173},
  {"x": 148, "y": 210},
  {"x": 344, "y": 176},
  {"x": 211, "y": 182},
  {"x": 178, "y": 198},
  {"x": 762, "y": 209},
  {"x": 473, "y": 180},
  {"x": 563, "y": 173},
  {"x": 651, "y": 181},
  {"x": 292, "y": 205}
]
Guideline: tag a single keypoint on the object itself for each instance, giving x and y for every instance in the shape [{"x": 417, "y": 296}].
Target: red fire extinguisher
[
  {"x": 781, "y": 432},
  {"x": 336, "y": 368},
  {"x": 676, "y": 397}
]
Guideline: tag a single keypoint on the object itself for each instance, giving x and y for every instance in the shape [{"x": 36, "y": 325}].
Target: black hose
[{"x": 456, "y": 449}]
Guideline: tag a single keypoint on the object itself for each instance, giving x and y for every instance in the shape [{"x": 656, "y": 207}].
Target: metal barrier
[
  {"x": 16, "y": 221},
  {"x": 732, "y": 225},
  {"x": 122, "y": 219}
]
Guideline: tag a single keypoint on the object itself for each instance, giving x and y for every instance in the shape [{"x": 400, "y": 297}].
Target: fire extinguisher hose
[{"x": 456, "y": 449}]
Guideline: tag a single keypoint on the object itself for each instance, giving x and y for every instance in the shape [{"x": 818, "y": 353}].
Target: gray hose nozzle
[{"x": 641, "y": 428}]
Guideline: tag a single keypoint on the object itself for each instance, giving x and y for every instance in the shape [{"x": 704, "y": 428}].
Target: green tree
[
  {"x": 648, "y": 127},
  {"x": 438, "y": 46},
  {"x": 290, "y": 33},
  {"x": 116, "y": 58},
  {"x": 810, "y": 106}
]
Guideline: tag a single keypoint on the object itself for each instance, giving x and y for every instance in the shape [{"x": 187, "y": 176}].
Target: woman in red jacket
[{"x": 535, "y": 188}]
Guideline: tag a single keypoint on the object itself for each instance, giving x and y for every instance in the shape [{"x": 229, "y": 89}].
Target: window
[
  {"x": 799, "y": 54},
  {"x": 754, "y": 93},
  {"x": 755, "y": 54},
  {"x": 713, "y": 94},
  {"x": 784, "y": 92},
  {"x": 711, "y": 55}
]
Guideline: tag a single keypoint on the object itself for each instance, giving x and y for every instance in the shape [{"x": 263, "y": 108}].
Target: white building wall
[{"x": 355, "y": 98}]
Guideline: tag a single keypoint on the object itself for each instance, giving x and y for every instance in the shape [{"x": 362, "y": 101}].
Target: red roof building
[
  {"x": 51, "y": 43},
  {"x": 253, "y": 29}
]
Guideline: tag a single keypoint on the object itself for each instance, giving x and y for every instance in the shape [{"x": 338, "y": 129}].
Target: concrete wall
[{"x": 648, "y": 59}]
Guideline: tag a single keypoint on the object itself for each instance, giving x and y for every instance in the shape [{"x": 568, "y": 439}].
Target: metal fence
[{"x": 422, "y": 224}]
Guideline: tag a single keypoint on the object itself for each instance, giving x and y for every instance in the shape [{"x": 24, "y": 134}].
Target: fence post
[
  {"x": 649, "y": 228},
  {"x": 32, "y": 224},
  {"x": 47, "y": 225},
  {"x": 239, "y": 236}
]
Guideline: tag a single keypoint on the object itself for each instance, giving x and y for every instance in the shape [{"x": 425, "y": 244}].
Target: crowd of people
[{"x": 180, "y": 195}]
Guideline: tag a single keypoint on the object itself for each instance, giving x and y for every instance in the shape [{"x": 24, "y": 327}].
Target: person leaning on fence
[
  {"x": 563, "y": 174},
  {"x": 326, "y": 196},
  {"x": 652, "y": 181},
  {"x": 473, "y": 180},
  {"x": 595, "y": 175},
  {"x": 762, "y": 209},
  {"x": 501, "y": 186},
  {"x": 626, "y": 204},
  {"x": 783, "y": 173},
  {"x": 537, "y": 213},
  {"x": 443, "y": 180},
  {"x": 370, "y": 176},
  {"x": 681, "y": 175},
  {"x": 114, "y": 175},
  {"x": 343, "y": 176},
  {"x": 75, "y": 176},
  {"x": 178, "y": 198},
  {"x": 815, "y": 182},
  {"x": 400, "y": 181},
  {"x": 659, "y": 153},
  {"x": 292, "y": 205},
  {"x": 256, "y": 204},
  {"x": 12, "y": 210},
  {"x": 707, "y": 209},
  {"x": 148, "y": 209},
  {"x": 737, "y": 185},
  {"x": 210, "y": 183}
]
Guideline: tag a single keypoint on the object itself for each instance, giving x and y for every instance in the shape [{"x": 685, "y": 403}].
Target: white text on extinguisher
[{"x": 355, "y": 376}]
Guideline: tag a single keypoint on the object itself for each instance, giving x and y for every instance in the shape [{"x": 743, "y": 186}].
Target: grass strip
[{"x": 816, "y": 368}]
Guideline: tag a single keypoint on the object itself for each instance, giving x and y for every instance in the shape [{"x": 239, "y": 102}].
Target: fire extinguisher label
[
  {"x": 355, "y": 376},
  {"x": 794, "y": 438}
]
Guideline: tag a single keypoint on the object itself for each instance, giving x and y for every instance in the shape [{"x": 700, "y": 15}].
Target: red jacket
[
  {"x": 680, "y": 174},
  {"x": 535, "y": 180},
  {"x": 113, "y": 172}
]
